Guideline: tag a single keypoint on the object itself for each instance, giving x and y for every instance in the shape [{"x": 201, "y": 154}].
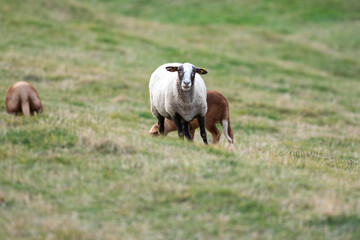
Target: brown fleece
[
  {"x": 23, "y": 98},
  {"x": 218, "y": 110}
]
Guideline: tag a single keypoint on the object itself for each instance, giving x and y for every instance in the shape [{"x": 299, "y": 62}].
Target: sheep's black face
[
  {"x": 186, "y": 74},
  {"x": 181, "y": 72}
]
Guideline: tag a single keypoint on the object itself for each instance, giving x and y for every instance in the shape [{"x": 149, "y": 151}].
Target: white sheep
[{"x": 178, "y": 92}]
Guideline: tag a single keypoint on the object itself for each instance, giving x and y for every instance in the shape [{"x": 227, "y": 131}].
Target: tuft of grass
[{"x": 40, "y": 138}]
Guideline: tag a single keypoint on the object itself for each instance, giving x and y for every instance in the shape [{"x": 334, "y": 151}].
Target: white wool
[{"x": 167, "y": 100}]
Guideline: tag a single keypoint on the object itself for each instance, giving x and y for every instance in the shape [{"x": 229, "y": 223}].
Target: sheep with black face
[{"x": 178, "y": 92}]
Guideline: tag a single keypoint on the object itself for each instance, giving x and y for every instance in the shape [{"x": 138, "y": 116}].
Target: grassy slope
[{"x": 87, "y": 169}]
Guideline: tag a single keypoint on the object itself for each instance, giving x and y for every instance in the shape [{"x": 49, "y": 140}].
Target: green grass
[{"x": 87, "y": 168}]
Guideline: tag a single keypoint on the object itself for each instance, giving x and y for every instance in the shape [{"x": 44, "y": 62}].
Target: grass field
[{"x": 87, "y": 168}]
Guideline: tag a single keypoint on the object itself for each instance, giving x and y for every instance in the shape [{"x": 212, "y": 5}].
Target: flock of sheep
[{"x": 178, "y": 99}]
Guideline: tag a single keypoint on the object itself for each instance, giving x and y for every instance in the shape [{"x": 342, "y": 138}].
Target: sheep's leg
[
  {"x": 215, "y": 134},
  {"x": 192, "y": 132},
  {"x": 38, "y": 111},
  {"x": 202, "y": 128},
  {"x": 25, "y": 108},
  {"x": 177, "y": 121},
  {"x": 186, "y": 130},
  {"x": 161, "y": 121}
]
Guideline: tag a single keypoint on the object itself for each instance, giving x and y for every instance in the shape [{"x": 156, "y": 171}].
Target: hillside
[{"x": 88, "y": 169}]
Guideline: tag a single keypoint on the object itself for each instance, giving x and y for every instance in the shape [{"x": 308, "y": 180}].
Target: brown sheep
[
  {"x": 21, "y": 97},
  {"x": 218, "y": 112}
]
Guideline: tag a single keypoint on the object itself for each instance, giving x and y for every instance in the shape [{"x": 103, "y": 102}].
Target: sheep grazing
[
  {"x": 178, "y": 92},
  {"x": 21, "y": 97},
  {"x": 218, "y": 112}
]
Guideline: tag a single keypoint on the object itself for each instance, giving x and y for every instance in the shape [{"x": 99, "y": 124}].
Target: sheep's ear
[
  {"x": 172, "y": 69},
  {"x": 201, "y": 71}
]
